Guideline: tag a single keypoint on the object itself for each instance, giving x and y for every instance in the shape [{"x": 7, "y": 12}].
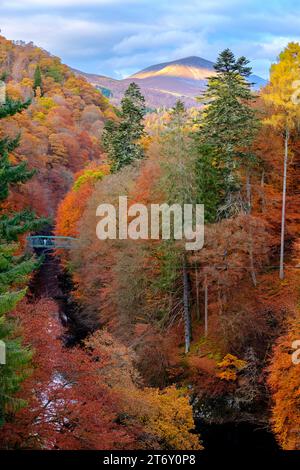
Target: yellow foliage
[
  {"x": 28, "y": 82},
  {"x": 46, "y": 102},
  {"x": 230, "y": 366},
  {"x": 281, "y": 92},
  {"x": 39, "y": 116},
  {"x": 167, "y": 415},
  {"x": 91, "y": 175}
]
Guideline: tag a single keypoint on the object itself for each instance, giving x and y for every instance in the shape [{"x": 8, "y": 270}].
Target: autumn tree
[
  {"x": 164, "y": 416},
  {"x": 284, "y": 384},
  {"x": 282, "y": 94},
  {"x": 71, "y": 208},
  {"x": 69, "y": 406},
  {"x": 178, "y": 185},
  {"x": 121, "y": 139}
]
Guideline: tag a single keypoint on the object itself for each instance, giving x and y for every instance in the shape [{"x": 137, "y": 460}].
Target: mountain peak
[
  {"x": 176, "y": 68},
  {"x": 163, "y": 84}
]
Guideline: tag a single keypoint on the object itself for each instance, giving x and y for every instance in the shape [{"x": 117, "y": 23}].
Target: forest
[{"x": 140, "y": 344}]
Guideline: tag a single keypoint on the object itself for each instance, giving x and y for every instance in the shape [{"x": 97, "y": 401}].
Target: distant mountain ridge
[
  {"x": 192, "y": 61},
  {"x": 163, "y": 84}
]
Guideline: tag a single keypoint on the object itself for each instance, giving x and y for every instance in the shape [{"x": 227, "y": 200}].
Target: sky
[{"x": 119, "y": 37}]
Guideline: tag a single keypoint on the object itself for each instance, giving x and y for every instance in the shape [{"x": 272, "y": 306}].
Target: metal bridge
[{"x": 50, "y": 242}]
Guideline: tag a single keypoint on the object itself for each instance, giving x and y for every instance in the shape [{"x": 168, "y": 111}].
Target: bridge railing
[{"x": 50, "y": 242}]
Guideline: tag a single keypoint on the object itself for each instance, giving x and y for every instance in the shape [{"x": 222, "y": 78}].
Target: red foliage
[{"x": 69, "y": 406}]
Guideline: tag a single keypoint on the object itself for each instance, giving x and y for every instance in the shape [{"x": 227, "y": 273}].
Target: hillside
[
  {"x": 162, "y": 84},
  {"x": 60, "y": 129}
]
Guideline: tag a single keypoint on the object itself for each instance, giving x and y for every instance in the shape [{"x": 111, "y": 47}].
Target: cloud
[
  {"x": 60, "y": 37},
  {"x": 49, "y": 4},
  {"x": 117, "y": 37}
]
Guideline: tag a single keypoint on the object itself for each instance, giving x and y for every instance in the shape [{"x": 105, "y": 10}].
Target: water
[{"x": 236, "y": 436}]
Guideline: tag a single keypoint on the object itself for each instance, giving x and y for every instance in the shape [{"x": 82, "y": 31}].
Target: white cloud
[
  {"x": 123, "y": 36},
  {"x": 69, "y": 36},
  {"x": 47, "y": 4},
  {"x": 273, "y": 47}
]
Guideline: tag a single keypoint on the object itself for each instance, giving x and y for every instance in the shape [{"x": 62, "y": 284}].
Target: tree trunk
[
  {"x": 262, "y": 185},
  {"x": 248, "y": 190},
  {"x": 186, "y": 307},
  {"x": 197, "y": 294},
  {"x": 205, "y": 306},
  {"x": 286, "y": 142},
  {"x": 251, "y": 255}
]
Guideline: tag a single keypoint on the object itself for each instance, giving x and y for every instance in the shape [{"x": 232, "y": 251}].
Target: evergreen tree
[
  {"x": 177, "y": 181},
  {"x": 210, "y": 182},
  {"x": 37, "y": 79},
  {"x": 178, "y": 115},
  {"x": 11, "y": 107},
  {"x": 121, "y": 140},
  {"x": 13, "y": 272},
  {"x": 228, "y": 125},
  {"x": 11, "y": 174},
  {"x": 15, "y": 224},
  {"x": 14, "y": 269}
]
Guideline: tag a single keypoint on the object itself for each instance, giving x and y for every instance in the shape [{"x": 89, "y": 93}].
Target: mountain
[{"x": 162, "y": 84}]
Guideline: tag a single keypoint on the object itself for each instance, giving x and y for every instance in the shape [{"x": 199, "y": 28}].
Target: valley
[{"x": 138, "y": 343}]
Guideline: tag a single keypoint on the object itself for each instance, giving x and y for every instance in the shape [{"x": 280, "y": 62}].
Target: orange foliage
[
  {"x": 284, "y": 381},
  {"x": 71, "y": 208},
  {"x": 59, "y": 131}
]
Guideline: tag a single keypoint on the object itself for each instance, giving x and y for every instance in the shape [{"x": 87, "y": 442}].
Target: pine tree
[
  {"x": 178, "y": 115},
  {"x": 37, "y": 79},
  {"x": 121, "y": 140},
  {"x": 210, "y": 180},
  {"x": 14, "y": 269},
  {"x": 228, "y": 124},
  {"x": 11, "y": 174}
]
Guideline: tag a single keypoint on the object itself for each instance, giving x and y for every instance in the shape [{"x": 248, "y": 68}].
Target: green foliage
[
  {"x": 9, "y": 300},
  {"x": 177, "y": 181},
  {"x": 178, "y": 109},
  {"x": 14, "y": 224},
  {"x": 88, "y": 175},
  {"x": 191, "y": 169},
  {"x": 170, "y": 262},
  {"x": 209, "y": 181},
  {"x": 228, "y": 124},
  {"x": 14, "y": 272},
  {"x": 11, "y": 174},
  {"x": 14, "y": 269},
  {"x": 121, "y": 140},
  {"x": 11, "y": 107},
  {"x": 37, "y": 79},
  {"x": 16, "y": 368},
  {"x": 54, "y": 72}
]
